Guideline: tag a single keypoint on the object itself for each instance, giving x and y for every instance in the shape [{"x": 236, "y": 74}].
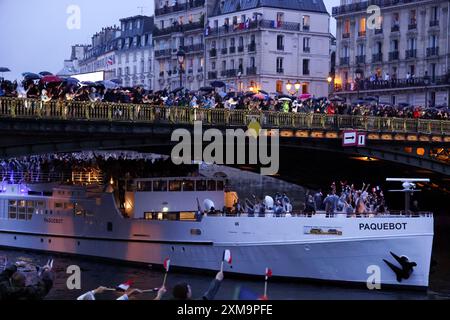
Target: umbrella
[
  {"x": 305, "y": 96},
  {"x": 118, "y": 81},
  {"x": 260, "y": 96},
  {"x": 51, "y": 79},
  {"x": 73, "y": 81},
  {"x": 177, "y": 90},
  {"x": 206, "y": 89},
  {"x": 285, "y": 99},
  {"x": 108, "y": 84},
  {"x": 31, "y": 76},
  {"x": 280, "y": 96},
  {"x": 88, "y": 84},
  {"x": 45, "y": 73},
  {"x": 218, "y": 84},
  {"x": 249, "y": 94},
  {"x": 263, "y": 92},
  {"x": 3, "y": 69},
  {"x": 337, "y": 99}
]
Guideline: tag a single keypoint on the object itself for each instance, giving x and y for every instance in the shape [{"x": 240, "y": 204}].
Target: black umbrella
[
  {"x": 177, "y": 90},
  {"x": 263, "y": 92},
  {"x": 249, "y": 94},
  {"x": 218, "y": 84},
  {"x": 206, "y": 89},
  {"x": 337, "y": 99},
  {"x": 3, "y": 69},
  {"x": 45, "y": 73},
  {"x": 31, "y": 76},
  {"x": 89, "y": 84}
]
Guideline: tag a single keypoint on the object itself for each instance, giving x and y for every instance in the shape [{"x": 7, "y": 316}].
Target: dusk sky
[{"x": 35, "y": 36}]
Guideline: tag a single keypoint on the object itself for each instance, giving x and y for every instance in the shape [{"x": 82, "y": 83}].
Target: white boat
[{"x": 160, "y": 219}]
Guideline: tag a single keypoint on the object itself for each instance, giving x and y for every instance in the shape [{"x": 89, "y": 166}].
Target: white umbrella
[{"x": 284, "y": 99}]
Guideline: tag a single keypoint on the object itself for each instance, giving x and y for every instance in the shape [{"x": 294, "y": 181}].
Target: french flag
[
  {"x": 167, "y": 264},
  {"x": 124, "y": 286},
  {"x": 227, "y": 256},
  {"x": 268, "y": 272}
]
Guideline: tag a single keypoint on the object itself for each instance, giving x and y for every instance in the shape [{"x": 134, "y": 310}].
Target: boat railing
[
  {"x": 29, "y": 177},
  {"x": 391, "y": 214}
]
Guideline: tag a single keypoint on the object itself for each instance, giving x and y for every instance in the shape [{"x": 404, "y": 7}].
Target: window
[
  {"x": 362, "y": 26},
  {"x": 394, "y": 45},
  {"x": 252, "y": 62},
  {"x": 224, "y": 65},
  {"x": 211, "y": 185},
  {"x": 280, "y": 18},
  {"x": 396, "y": 19},
  {"x": 413, "y": 17},
  {"x": 306, "y": 44},
  {"x": 347, "y": 27},
  {"x": 279, "y": 86},
  {"x": 280, "y": 65},
  {"x": 280, "y": 42},
  {"x": 160, "y": 185},
  {"x": 200, "y": 185},
  {"x": 435, "y": 14},
  {"x": 361, "y": 49},
  {"x": 305, "y": 88},
  {"x": 306, "y": 66},
  {"x": 306, "y": 20},
  {"x": 412, "y": 43}
]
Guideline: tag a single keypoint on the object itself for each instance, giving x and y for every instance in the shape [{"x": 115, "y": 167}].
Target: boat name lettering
[
  {"x": 383, "y": 226},
  {"x": 53, "y": 220}
]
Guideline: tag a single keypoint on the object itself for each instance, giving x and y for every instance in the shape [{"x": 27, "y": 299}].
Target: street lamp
[
  {"x": 181, "y": 56},
  {"x": 426, "y": 81},
  {"x": 330, "y": 89},
  {"x": 296, "y": 86}
]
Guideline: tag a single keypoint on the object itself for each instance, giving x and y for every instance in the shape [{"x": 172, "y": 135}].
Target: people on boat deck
[
  {"x": 183, "y": 291},
  {"x": 13, "y": 283}
]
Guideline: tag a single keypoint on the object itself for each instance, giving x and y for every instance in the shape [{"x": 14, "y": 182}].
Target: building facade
[
  {"x": 399, "y": 56},
  {"x": 264, "y": 45},
  {"x": 179, "y": 31},
  {"x": 134, "y": 52},
  {"x": 100, "y": 55},
  {"x": 71, "y": 66}
]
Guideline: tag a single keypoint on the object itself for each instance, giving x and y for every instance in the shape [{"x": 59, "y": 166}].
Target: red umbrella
[
  {"x": 260, "y": 96},
  {"x": 51, "y": 79},
  {"x": 305, "y": 96}
]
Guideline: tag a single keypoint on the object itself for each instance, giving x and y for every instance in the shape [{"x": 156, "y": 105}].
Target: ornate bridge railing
[{"x": 117, "y": 112}]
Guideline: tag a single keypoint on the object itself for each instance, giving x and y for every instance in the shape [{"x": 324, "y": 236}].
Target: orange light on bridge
[{"x": 420, "y": 151}]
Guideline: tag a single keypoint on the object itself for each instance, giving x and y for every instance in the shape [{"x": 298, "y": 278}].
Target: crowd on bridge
[{"x": 213, "y": 98}]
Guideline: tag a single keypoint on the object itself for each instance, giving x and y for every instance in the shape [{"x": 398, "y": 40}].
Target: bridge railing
[{"x": 118, "y": 112}]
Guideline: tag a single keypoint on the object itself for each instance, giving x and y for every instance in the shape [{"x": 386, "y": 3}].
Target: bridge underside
[{"x": 29, "y": 137}]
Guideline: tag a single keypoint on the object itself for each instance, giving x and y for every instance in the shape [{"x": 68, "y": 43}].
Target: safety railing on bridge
[{"x": 118, "y": 112}]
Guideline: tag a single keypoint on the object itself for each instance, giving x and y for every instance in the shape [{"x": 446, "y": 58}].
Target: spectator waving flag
[
  {"x": 124, "y": 286},
  {"x": 167, "y": 264}
]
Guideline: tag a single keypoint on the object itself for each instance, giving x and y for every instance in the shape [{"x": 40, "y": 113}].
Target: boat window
[
  {"x": 68, "y": 206},
  {"x": 40, "y": 204},
  {"x": 220, "y": 185},
  {"x": 187, "y": 216},
  {"x": 200, "y": 185},
  {"x": 175, "y": 185},
  {"x": 144, "y": 186},
  {"x": 188, "y": 185},
  {"x": 171, "y": 216},
  {"x": 12, "y": 209},
  {"x": 58, "y": 205},
  {"x": 196, "y": 232},
  {"x": 160, "y": 185},
  {"x": 211, "y": 185}
]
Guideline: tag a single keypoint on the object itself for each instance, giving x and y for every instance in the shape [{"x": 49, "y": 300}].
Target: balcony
[
  {"x": 224, "y": 51},
  {"x": 213, "y": 53},
  {"x": 284, "y": 25},
  {"x": 345, "y": 61},
  {"x": 306, "y": 28},
  {"x": 394, "y": 55},
  {"x": 433, "y": 52},
  {"x": 411, "y": 54},
  {"x": 212, "y": 75},
  {"x": 361, "y": 34},
  {"x": 346, "y": 35},
  {"x": 280, "y": 70},
  {"x": 162, "y": 53},
  {"x": 377, "y": 57},
  {"x": 306, "y": 72},
  {"x": 412, "y": 26},
  {"x": 231, "y": 73},
  {"x": 223, "y": 73},
  {"x": 306, "y": 49},
  {"x": 280, "y": 47},
  {"x": 240, "y": 49},
  {"x": 194, "y": 48},
  {"x": 361, "y": 7},
  {"x": 177, "y": 29},
  {"x": 361, "y": 59},
  {"x": 434, "y": 23},
  {"x": 179, "y": 7},
  {"x": 251, "y": 71},
  {"x": 395, "y": 28},
  {"x": 200, "y": 70},
  {"x": 232, "y": 50},
  {"x": 252, "y": 47}
]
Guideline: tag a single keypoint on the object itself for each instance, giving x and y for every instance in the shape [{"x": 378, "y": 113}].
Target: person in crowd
[{"x": 183, "y": 291}]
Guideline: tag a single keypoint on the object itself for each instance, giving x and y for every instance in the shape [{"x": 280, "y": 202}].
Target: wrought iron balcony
[
  {"x": 252, "y": 47},
  {"x": 240, "y": 49},
  {"x": 411, "y": 53},
  {"x": 224, "y": 51},
  {"x": 431, "y": 52},
  {"x": 394, "y": 55},
  {"x": 213, "y": 53},
  {"x": 232, "y": 50},
  {"x": 434, "y": 23},
  {"x": 412, "y": 26},
  {"x": 345, "y": 61},
  {"x": 361, "y": 59},
  {"x": 179, "y": 7},
  {"x": 251, "y": 71},
  {"x": 212, "y": 75},
  {"x": 178, "y": 28},
  {"x": 280, "y": 70},
  {"x": 377, "y": 57},
  {"x": 395, "y": 28}
]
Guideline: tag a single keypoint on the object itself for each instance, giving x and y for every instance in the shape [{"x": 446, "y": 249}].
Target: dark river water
[{"x": 95, "y": 273}]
